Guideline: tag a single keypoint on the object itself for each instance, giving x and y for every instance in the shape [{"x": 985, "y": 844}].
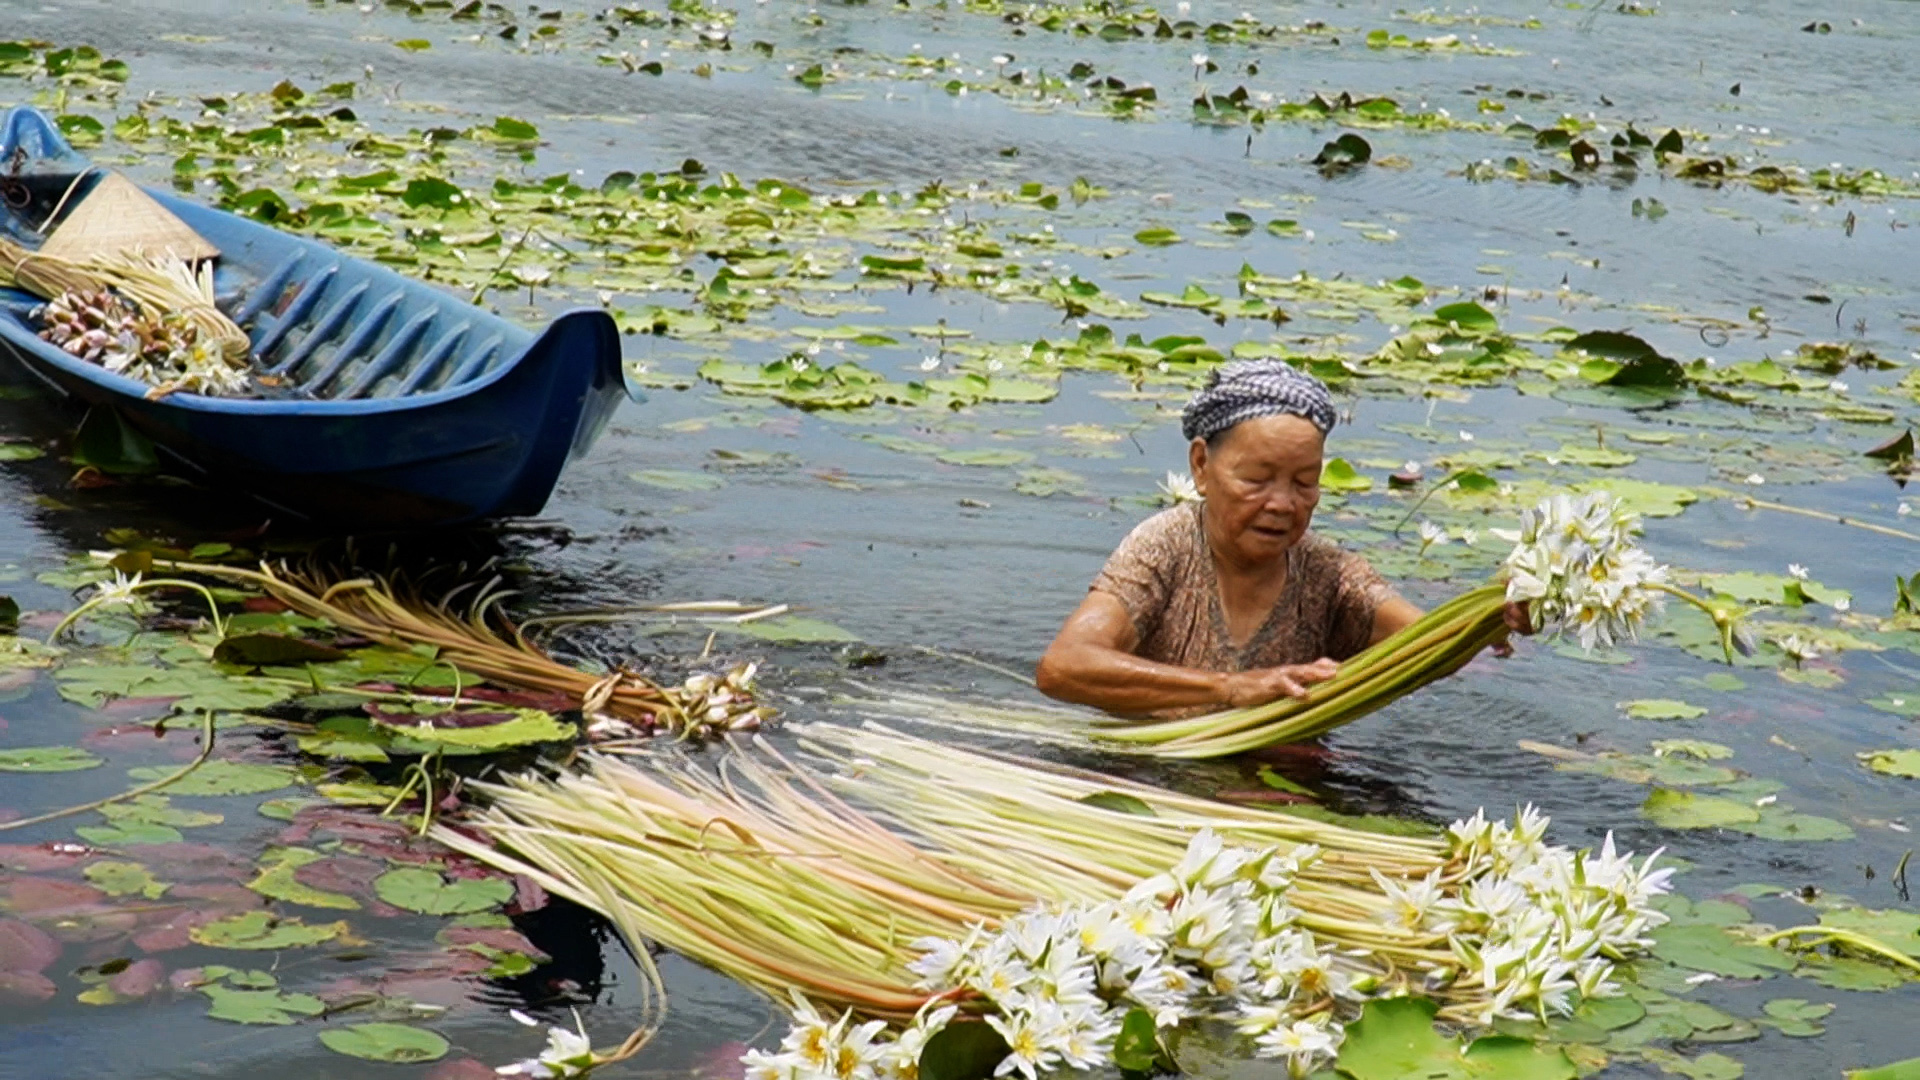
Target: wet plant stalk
[{"x": 1437, "y": 645}]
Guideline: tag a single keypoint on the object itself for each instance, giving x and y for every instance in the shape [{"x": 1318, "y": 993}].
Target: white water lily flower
[
  {"x": 1796, "y": 571},
  {"x": 1179, "y": 488},
  {"x": 1303, "y": 1044}
]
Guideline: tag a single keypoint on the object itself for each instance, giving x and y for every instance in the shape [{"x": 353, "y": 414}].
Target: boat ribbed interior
[{"x": 321, "y": 331}]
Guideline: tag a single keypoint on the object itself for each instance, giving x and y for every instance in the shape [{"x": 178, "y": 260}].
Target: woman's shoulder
[
  {"x": 1172, "y": 529},
  {"x": 1319, "y": 553}
]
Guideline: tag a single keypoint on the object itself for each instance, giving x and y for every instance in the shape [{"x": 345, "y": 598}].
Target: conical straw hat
[{"x": 116, "y": 216}]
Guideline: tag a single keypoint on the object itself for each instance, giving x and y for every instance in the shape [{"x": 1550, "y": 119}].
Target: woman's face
[{"x": 1261, "y": 480}]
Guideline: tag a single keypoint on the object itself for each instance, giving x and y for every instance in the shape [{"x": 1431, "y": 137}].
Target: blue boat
[{"x": 395, "y": 405}]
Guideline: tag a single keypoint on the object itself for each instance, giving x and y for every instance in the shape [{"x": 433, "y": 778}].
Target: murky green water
[{"x": 856, "y": 517}]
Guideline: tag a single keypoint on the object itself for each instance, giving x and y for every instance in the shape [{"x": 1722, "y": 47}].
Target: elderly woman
[{"x": 1229, "y": 601}]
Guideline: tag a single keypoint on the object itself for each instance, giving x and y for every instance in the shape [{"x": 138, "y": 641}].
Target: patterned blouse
[{"x": 1163, "y": 573}]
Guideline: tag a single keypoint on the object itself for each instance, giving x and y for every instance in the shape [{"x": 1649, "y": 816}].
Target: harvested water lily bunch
[
  {"x": 164, "y": 302},
  {"x": 161, "y": 348},
  {"x": 1074, "y": 930}
]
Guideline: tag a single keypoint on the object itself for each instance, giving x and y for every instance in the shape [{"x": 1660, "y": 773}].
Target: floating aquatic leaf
[
  {"x": 493, "y": 729},
  {"x": 1685, "y": 810},
  {"x": 46, "y": 759},
  {"x": 1780, "y": 823},
  {"x": 1709, "y": 948},
  {"x": 1796, "y": 1017},
  {"x": 1695, "y": 748},
  {"x": 1395, "y": 1039},
  {"x": 420, "y": 889},
  {"x": 1661, "y": 709},
  {"x": 259, "y": 930},
  {"x": 127, "y": 833},
  {"x": 1046, "y": 480},
  {"x": 220, "y": 778},
  {"x": 795, "y": 628},
  {"x": 347, "y": 738},
  {"x": 278, "y": 880},
  {"x": 253, "y": 650},
  {"x": 1898, "y": 929},
  {"x": 117, "y": 878},
  {"x": 1847, "y": 973},
  {"x": 385, "y": 1042},
  {"x": 1158, "y": 236},
  {"x": 260, "y": 1006},
  {"x": 984, "y": 458},
  {"x": 1898, "y": 1070},
  {"x": 678, "y": 479},
  {"x": 1339, "y": 476},
  {"x": 1893, "y": 762}
]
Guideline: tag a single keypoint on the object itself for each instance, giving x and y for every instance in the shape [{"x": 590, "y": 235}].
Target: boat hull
[
  {"x": 387, "y": 403},
  {"x": 494, "y": 452}
]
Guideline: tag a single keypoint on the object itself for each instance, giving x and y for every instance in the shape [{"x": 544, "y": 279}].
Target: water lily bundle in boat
[
  {"x": 1576, "y": 565},
  {"x": 160, "y": 349},
  {"x": 483, "y": 642},
  {"x": 151, "y": 317},
  {"x": 1056, "y": 922}
]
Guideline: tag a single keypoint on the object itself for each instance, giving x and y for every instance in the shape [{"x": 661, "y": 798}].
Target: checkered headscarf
[{"x": 1244, "y": 389}]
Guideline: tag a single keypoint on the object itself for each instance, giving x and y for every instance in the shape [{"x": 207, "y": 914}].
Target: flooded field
[{"x": 913, "y": 293}]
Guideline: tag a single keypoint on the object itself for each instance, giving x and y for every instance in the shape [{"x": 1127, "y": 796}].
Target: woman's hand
[
  {"x": 1261, "y": 685},
  {"x": 1519, "y": 620}
]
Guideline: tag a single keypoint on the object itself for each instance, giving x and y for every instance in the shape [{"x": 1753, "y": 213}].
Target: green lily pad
[
  {"x": 984, "y": 458},
  {"x": 1709, "y": 948},
  {"x": 513, "y": 727},
  {"x": 1847, "y": 973},
  {"x": 678, "y": 479},
  {"x": 1781, "y": 823},
  {"x": 277, "y": 881},
  {"x": 1395, "y": 1039},
  {"x": 1337, "y": 475},
  {"x": 1893, "y": 762},
  {"x": 794, "y": 628},
  {"x": 385, "y": 1042},
  {"x": 219, "y": 778},
  {"x": 426, "y": 891},
  {"x": 47, "y": 759},
  {"x": 1685, "y": 810},
  {"x": 1662, "y": 709},
  {"x": 117, "y": 878},
  {"x": 241, "y": 1006},
  {"x": 1796, "y": 1017},
  {"x": 129, "y": 833},
  {"x": 259, "y": 930},
  {"x": 1899, "y": 929},
  {"x": 1693, "y": 748},
  {"x": 158, "y": 810},
  {"x": 1898, "y": 1070}
]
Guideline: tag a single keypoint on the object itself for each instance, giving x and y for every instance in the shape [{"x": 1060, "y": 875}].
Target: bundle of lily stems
[
  {"x": 1576, "y": 564},
  {"x": 149, "y": 316},
  {"x": 481, "y": 641},
  {"x": 893, "y": 888}
]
